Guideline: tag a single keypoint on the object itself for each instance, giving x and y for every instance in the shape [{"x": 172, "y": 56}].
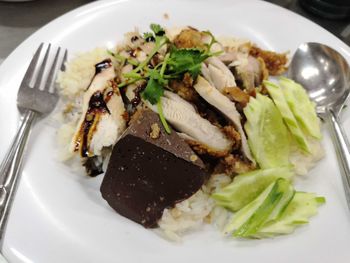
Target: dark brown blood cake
[{"x": 150, "y": 170}]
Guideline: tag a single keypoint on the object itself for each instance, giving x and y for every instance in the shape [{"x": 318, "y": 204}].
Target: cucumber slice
[
  {"x": 246, "y": 187},
  {"x": 282, "y": 205},
  {"x": 301, "y": 106},
  {"x": 270, "y": 208},
  {"x": 246, "y": 212},
  {"x": 267, "y": 134},
  {"x": 277, "y": 95},
  {"x": 250, "y": 218},
  {"x": 301, "y": 208}
]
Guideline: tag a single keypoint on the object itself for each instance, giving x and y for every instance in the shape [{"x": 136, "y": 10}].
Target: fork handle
[{"x": 10, "y": 167}]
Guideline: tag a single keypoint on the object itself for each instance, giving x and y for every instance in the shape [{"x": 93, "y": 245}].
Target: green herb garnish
[
  {"x": 153, "y": 91},
  {"x": 175, "y": 64},
  {"x": 186, "y": 60},
  {"x": 157, "y": 29},
  {"x": 148, "y": 36}
]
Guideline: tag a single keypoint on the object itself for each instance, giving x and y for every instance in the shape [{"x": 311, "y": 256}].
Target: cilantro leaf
[
  {"x": 156, "y": 75},
  {"x": 148, "y": 36},
  {"x": 153, "y": 91},
  {"x": 186, "y": 60},
  {"x": 157, "y": 29}
]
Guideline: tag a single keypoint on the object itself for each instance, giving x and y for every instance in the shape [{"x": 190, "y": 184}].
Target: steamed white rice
[{"x": 79, "y": 72}]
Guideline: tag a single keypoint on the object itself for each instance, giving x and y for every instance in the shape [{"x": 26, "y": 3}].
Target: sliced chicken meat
[
  {"x": 177, "y": 98},
  {"x": 110, "y": 126},
  {"x": 249, "y": 71},
  {"x": 185, "y": 136},
  {"x": 215, "y": 98},
  {"x": 228, "y": 57},
  {"x": 217, "y": 73},
  {"x": 182, "y": 116},
  {"x": 102, "y": 120}
]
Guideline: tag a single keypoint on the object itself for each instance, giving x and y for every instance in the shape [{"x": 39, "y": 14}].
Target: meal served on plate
[{"x": 188, "y": 128}]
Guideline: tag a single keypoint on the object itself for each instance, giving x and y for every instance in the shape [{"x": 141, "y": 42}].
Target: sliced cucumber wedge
[
  {"x": 247, "y": 212},
  {"x": 270, "y": 203},
  {"x": 278, "y": 97},
  {"x": 267, "y": 134},
  {"x": 277, "y": 210},
  {"x": 246, "y": 187},
  {"x": 282, "y": 205},
  {"x": 301, "y": 208},
  {"x": 301, "y": 106}
]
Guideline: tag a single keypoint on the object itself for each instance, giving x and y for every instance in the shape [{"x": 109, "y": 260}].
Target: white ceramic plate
[{"x": 59, "y": 216}]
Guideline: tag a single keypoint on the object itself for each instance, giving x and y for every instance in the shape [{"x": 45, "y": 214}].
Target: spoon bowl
[{"x": 325, "y": 74}]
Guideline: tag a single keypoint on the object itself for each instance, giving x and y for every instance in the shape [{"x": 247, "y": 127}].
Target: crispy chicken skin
[
  {"x": 233, "y": 164},
  {"x": 237, "y": 95},
  {"x": 275, "y": 62},
  {"x": 189, "y": 38}
]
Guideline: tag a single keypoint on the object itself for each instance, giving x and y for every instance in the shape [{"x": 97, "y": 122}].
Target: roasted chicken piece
[
  {"x": 237, "y": 95},
  {"x": 275, "y": 62},
  {"x": 214, "y": 97},
  {"x": 183, "y": 116},
  {"x": 233, "y": 164},
  {"x": 189, "y": 38},
  {"x": 249, "y": 71},
  {"x": 102, "y": 121},
  {"x": 184, "y": 88},
  {"x": 218, "y": 74}
]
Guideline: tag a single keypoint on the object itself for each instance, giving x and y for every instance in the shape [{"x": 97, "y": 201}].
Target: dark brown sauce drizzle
[
  {"x": 97, "y": 105},
  {"x": 134, "y": 38},
  {"x": 132, "y": 53},
  {"x": 137, "y": 99},
  {"x": 99, "y": 67},
  {"x": 105, "y": 64},
  {"x": 131, "y": 105}
]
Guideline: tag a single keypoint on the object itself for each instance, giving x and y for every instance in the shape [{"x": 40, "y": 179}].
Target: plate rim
[{"x": 89, "y": 6}]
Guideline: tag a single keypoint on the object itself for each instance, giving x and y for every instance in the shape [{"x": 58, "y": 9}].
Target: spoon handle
[{"x": 342, "y": 148}]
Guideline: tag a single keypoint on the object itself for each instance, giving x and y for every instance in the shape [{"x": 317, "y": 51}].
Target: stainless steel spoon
[{"x": 325, "y": 74}]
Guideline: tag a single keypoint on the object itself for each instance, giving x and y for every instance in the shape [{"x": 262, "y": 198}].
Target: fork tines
[{"x": 30, "y": 73}]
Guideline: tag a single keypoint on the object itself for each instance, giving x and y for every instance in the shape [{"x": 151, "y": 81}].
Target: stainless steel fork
[{"x": 32, "y": 101}]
